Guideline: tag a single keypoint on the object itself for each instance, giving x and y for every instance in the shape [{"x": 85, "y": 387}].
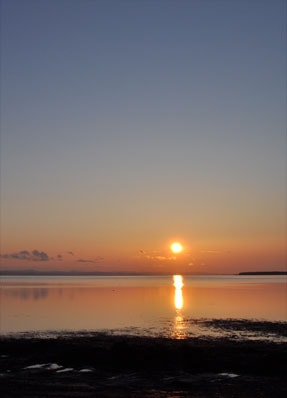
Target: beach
[{"x": 104, "y": 365}]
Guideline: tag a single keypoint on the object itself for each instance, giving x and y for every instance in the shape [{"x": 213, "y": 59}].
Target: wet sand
[{"x": 102, "y": 365}]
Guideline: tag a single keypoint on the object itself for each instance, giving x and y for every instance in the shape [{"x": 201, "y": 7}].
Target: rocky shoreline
[{"x": 102, "y": 365}]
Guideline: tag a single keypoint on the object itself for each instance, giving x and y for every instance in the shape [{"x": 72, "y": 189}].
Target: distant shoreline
[
  {"x": 264, "y": 273},
  {"x": 95, "y": 273}
]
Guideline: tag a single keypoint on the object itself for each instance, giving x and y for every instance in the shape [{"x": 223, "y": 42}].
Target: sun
[{"x": 176, "y": 247}]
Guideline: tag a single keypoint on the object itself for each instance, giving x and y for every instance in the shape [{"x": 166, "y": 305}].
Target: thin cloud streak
[{"x": 25, "y": 255}]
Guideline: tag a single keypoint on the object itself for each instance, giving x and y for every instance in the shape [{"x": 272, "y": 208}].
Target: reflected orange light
[
  {"x": 178, "y": 298},
  {"x": 179, "y": 326}
]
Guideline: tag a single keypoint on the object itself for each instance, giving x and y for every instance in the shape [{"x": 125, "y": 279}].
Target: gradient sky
[{"x": 127, "y": 125}]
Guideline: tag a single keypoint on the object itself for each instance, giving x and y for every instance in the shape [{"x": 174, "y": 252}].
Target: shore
[{"x": 101, "y": 365}]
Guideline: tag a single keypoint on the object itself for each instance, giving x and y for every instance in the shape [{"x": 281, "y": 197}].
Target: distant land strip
[
  {"x": 30, "y": 272},
  {"x": 264, "y": 273},
  {"x": 68, "y": 273}
]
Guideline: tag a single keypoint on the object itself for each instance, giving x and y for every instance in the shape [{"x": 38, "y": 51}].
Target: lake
[{"x": 172, "y": 306}]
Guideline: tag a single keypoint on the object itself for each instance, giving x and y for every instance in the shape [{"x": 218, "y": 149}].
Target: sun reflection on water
[
  {"x": 178, "y": 297},
  {"x": 179, "y": 326}
]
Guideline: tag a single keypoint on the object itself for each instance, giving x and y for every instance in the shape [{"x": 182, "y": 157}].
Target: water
[{"x": 144, "y": 305}]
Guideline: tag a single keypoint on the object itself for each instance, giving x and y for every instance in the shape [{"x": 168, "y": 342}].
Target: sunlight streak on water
[
  {"x": 178, "y": 297},
  {"x": 179, "y": 326}
]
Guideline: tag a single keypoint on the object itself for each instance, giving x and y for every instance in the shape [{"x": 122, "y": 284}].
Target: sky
[{"x": 128, "y": 125}]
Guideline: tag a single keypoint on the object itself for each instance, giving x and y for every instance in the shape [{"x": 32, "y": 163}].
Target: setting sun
[{"x": 176, "y": 247}]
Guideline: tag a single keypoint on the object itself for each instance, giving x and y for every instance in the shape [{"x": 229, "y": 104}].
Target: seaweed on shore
[
  {"x": 278, "y": 328},
  {"x": 106, "y": 365}
]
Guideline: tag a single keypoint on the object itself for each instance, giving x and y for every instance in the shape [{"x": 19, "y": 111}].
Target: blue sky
[{"x": 149, "y": 119}]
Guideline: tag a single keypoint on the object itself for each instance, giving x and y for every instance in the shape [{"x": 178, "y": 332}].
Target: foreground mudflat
[{"x": 100, "y": 365}]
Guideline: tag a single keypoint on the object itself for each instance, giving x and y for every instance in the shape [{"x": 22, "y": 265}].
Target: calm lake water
[{"x": 147, "y": 305}]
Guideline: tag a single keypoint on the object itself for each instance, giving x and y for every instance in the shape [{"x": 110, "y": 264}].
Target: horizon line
[{"x": 124, "y": 273}]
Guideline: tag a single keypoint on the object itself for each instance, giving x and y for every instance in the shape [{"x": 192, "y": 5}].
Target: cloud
[
  {"x": 35, "y": 255},
  {"x": 39, "y": 256},
  {"x": 161, "y": 258},
  {"x": 96, "y": 260},
  {"x": 209, "y": 251},
  {"x": 155, "y": 256},
  {"x": 22, "y": 255}
]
